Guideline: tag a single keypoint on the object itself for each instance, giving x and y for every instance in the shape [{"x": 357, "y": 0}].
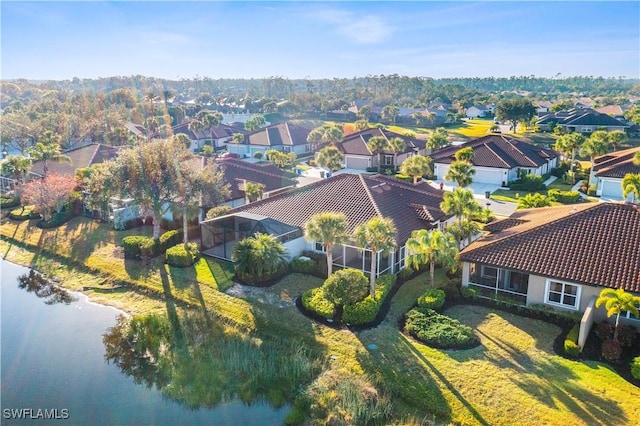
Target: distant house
[
  {"x": 285, "y": 137},
  {"x": 561, "y": 257},
  {"x": 498, "y": 159},
  {"x": 84, "y": 156},
  {"x": 357, "y": 155},
  {"x": 583, "y": 120},
  {"x": 360, "y": 197},
  {"x": 610, "y": 169},
  {"x": 476, "y": 111},
  {"x": 217, "y": 136},
  {"x": 340, "y": 115},
  {"x": 615, "y": 111},
  {"x": 136, "y": 130},
  {"x": 542, "y": 107}
]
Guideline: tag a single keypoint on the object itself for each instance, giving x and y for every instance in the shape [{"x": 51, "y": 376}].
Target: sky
[{"x": 176, "y": 40}]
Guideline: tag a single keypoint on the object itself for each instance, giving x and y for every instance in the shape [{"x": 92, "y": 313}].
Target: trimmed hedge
[
  {"x": 366, "y": 311},
  {"x": 170, "y": 239},
  {"x": 439, "y": 331},
  {"x": 9, "y": 202},
  {"x": 564, "y": 197},
  {"x": 138, "y": 246},
  {"x": 303, "y": 265},
  {"x": 635, "y": 367},
  {"x": 571, "y": 347},
  {"x": 24, "y": 213},
  {"x": 314, "y": 300},
  {"x": 468, "y": 292},
  {"x": 180, "y": 257},
  {"x": 432, "y": 299},
  {"x": 321, "y": 262}
]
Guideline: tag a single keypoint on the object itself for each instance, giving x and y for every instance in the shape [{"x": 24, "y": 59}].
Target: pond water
[{"x": 53, "y": 359}]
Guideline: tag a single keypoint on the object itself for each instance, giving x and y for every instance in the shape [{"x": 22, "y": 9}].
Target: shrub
[
  {"x": 611, "y": 351},
  {"x": 181, "y": 257},
  {"x": 560, "y": 171},
  {"x": 303, "y": 265},
  {"x": 346, "y": 287},
  {"x": 533, "y": 201},
  {"x": 7, "y": 202},
  {"x": 365, "y": 312},
  {"x": 404, "y": 177},
  {"x": 468, "y": 292},
  {"x": 58, "y": 218},
  {"x": 571, "y": 347},
  {"x": 432, "y": 299},
  {"x": 217, "y": 211},
  {"x": 321, "y": 262},
  {"x": 405, "y": 273},
  {"x": 627, "y": 336},
  {"x": 24, "y": 213},
  {"x": 485, "y": 216},
  {"x": 528, "y": 183},
  {"x": 440, "y": 331},
  {"x": 604, "y": 331},
  {"x": 137, "y": 246},
  {"x": 314, "y": 300},
  {"x": 169, "y": 239},
  {"x": 564, "y": 197},
  {"x": 635, "y": 367}
]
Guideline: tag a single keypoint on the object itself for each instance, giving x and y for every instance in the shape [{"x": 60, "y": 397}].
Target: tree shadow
[
  {"x": 171, "y": 306},
  {"x": 137, "y": 269}
]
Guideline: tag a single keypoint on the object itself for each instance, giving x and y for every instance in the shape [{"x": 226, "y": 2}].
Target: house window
[
  {"x": 488, "y": 272},
  {"x": 587, "y": 129},
  {"x": 630, "y": 316},
  {"x": 388, "y": 160},
  {"x": 563, "y": 294},
  {"x": 319, "y": 246}
]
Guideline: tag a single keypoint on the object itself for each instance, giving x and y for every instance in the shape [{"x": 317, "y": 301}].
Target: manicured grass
[
  {"x": 470, "y": 129},
  {"x": 510, "y": 195},
  {"x": 513, "y": 378}
]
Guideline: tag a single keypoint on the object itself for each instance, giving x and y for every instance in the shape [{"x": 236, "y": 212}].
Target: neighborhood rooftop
[
  {"x": 356, "y": 143},
  {"x": 84, "y": 156},
  {"x": 593, "y": 244},
  {"x": 616, "y": 164}
]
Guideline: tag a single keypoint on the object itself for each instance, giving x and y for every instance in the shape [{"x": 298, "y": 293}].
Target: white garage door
[
  {"x": 611, "y": 189},
  {"x": 357, "y": 163},
  {"x": 494, "y": 177},
  {"x": 442, "y": 171}
]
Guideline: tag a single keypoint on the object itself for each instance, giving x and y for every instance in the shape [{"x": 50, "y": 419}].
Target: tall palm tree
[
  {"x": 210, "y": 119},
  {"x": 377, "y": 145},
  {"x": 416, "y": 166},
  {"x": 196, "y": 126},
  {"x": 253, "y": 191},
  {"x": 593, "y": 147},
  {"x": 431, "y": 247},
  {"x": 569, "y": 144},
  {"x": 397, "y": 145},
  {"x": 460, "y": 203},
  {"x": 618, "y": 301},
  {"x": 461, "y": 172},
  {"x": 331, "y": 158},
  {"x": 631, "y": 185},
  {"x": 331, "y": 229},
  {"x": 376, "y": 235},
  {"x": 48, "y": 149},
  {"x": 465, "y": 154},
  {"x": 438, "y": 139}
]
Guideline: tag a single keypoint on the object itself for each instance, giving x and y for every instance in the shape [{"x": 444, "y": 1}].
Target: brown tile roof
[
  {"x": 219, "y": 132},
  {"x": 498, "y": 151},
  {"x": 279, "y": 134},
  {"x": 356, "y": 143},
  {"x": 360, "y": 198},
  {"x": 592, "y": 244},
  {"x": 616, "y": 164},
  {"x": 237, "y": 171},
  {"x": 84, "y": 156}
]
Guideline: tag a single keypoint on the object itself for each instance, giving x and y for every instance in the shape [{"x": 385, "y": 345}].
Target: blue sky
[{"x": 61, "y": 40}]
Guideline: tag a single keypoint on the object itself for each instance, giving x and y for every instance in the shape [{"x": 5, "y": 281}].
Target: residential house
[
  {"x": 498, "y": 159},
  {"x": 285, "y": 137},
  {"x": 357, "y": 155},
  {"x": 615, "y": 111},
  {"x": 476, "y": 111},
  {"x": 583, "y": 120},
  {"x": 610, "y": 169},
  {"x": 84, "y": 156},
  {"x": 136, "y": 130},
  {"x": 561, "y": 257},
  {"x": 542, "y": 107},
  {"x": 360, "y": 197},
  {"x": 217, "y": 136}
]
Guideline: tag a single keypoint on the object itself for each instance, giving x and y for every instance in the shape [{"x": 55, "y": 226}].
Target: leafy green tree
[
  {"x": 616, "y": 302},
  {"x": 465, "y": 154},
  {"x": 327, "y": 133},
  {"x": 365, "y": 113},
  {"x": 536, "y": 200},
  {"x": 569, "y": 144},
  {"x": 16, "y": 167},
  {"x": 253, "y": 191},
  {"x": 259, "y": 258},
  {"x": 377, "y": 145},
  {"x": 331, "y": 158},
  {"x": 460, "y": 172},
  {"x": 594, "y": 147},
  {"x": 376, "y": 235},
  {"x": 255, "y": 123},
  {"x": 616, "y": 138},
  {"x": 515, "y": 110},
  {"x": 210, "y": 119},
  {"x": 237, "y": 138},
  {"x": 361, "y": 125},
  {"x": 416, "y": 166},
  {"x": 48, "y": 149},
  {"x": 390, "y": 113},
  {"x": 396, "y": 145},
  {"x": 330, "y": 228},
  {"x": 182, "y": 139},
  {"x": 636, "y": 158},
  {"x": 463, "y": 230},
  {"x": 438, "y": 139},
  {"x": 460, "y": 203},
  {"x": 631, "y": 185},
  {"x": 217, "y": 211},
  {"x": 431, "y": 247},
  {"x": 345, "y": 287}
]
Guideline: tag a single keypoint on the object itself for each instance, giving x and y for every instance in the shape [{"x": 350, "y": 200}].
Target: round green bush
[
  {"x": 346, "y": 287},
  {"x": 303, "y": 265},
  {"x": 181, "y": 257},
  {"x": 468, "y": 292},
  {"x": 440, "y": 331},
  {"x": 314, "y": 300},
  {"x": 24, "y": 213},
  {"x": 432, "y": 299},
  {"x": 136, "y": 246},
  {"x": 9, "y": 202},
  {"x": 635, "y": 367}
]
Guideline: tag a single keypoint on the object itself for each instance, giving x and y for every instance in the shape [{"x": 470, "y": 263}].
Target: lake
[{"x": 53, "y": 359}]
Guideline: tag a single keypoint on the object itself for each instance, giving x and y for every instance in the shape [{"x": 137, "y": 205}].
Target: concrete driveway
[{"x": 499, "y": 208}]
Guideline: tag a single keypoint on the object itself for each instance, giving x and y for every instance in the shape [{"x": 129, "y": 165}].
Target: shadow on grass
[
  {"x": 222, "y": 272},
  {"x": 137, "y": 269},
  {"x": 171, "y": 306}
]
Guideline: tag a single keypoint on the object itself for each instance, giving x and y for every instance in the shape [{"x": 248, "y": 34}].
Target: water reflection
[{"x": 36, "y": 283}]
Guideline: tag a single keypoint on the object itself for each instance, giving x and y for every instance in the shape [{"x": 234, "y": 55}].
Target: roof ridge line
[
  {"x": 496, "y": 154},
  {"x": 520, "y": 151},
  {"x": 93, "y": 156},
  {"x": 256, "y": 169},
  {"x": 286, "y": 126},
  {"x": 373, "y": 201}
]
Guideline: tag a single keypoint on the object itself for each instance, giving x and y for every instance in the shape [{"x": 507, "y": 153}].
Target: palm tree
[
  {"x": 253, "y": 191},
  {"x": 438, "y": 139},
  {"x": 259, "y": 258},
  {"x": 416, "y": 166},
  {"x": 331, "y": 158},
  {"x": 376, "y": 235},
  {"x": 377, "y": 145},
  {"x": 461, "y": 172},
  {"x": 465, "y": 154},
  {"x": 17, "y": 167},
  {"x": 615, "y": 138},
  {"x": 238, "y": 138},
  {"x": 182, "y": 139},
  {"x": 618, "y": 301},
  {"x": 397, "y": 145},
  {"x": 331, "y": 229},
  {"x": 210, "y": 119},
  {"x": 432, "y": 247},
  {"x": 568, "y": 145},
  {"x": 48, "y": 149},
  {"x": 593, "y": 147},
  {"x": 631, "y": 185},
  {"x": 636, "y": 158},
  {"x": 390, "y": 112},
  {"x": 460, "y": 203},
  {"x": 195, "y": 126}
]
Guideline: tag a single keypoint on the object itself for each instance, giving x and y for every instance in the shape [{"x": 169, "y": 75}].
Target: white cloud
[{"x": 365, "y": 29}]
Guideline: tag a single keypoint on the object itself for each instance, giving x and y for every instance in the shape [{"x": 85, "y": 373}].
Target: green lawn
[
  {"x": 513, "y": 378},
  {"x": 470, "y": 129}
]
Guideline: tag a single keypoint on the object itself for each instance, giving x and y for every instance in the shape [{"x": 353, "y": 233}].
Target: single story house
[
  {"x": 84, "y": 156},
  {"x": 610, "y": 169},
  {"x": 558, "y": 256},
  {"x": 615, "y": 111},
  {"x": 582, "y": 120},
  {"x": 285, "y": 137},
  {"x": 357, "y": 155},
  {"x": 476, "y": 111},
  {"x": 217, "y": 136},
  {"x": 360, "y": 197},
  {"x": 542, "y": 107},
  {"x": 497, "y": 159}
]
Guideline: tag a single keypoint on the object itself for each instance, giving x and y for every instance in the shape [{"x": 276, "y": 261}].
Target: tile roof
[
  {"x": 279, "y": 134},
  {"x": 81, "y": 157},
  {"x": 581, "y": 117},
  {"x": 219, "y": 132},
  {"x": 592, "y": 244},
  {"x": 360, "y": 198},
  {"x": 237, "y": 171},
  {"x": 356, "y": 143},
  {"x": 498, "y": 151},
  {"x": 616, "y": 164}
]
